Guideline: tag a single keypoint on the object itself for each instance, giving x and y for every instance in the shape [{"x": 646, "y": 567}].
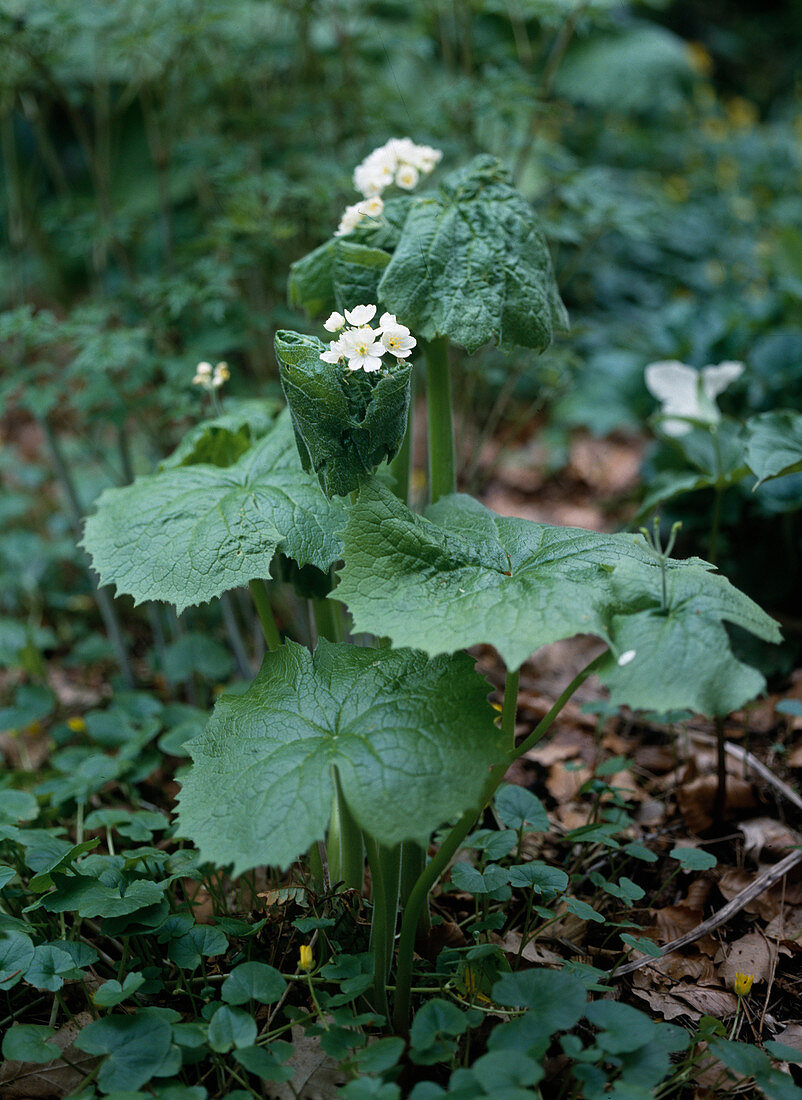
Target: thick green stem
[
  {"x": 316, "y": 868},
  {"x": 346, "y": 853},
  {"x": 413, "y": 864},
  {"x": 449, "y": 848},
  {"x": 235, "y": 637},
  {"x": 261, "y": 602},
  {"x": 328, "y": 619},
  {"x": 442, "y": 468},
  {"x": 401, "y": 466},
  {"x": 384, "y": 870},
  {"x": 414, "y": 907}
]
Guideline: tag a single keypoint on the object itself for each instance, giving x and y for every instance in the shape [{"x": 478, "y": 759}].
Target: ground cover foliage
[{"x": 375, "y": 789}]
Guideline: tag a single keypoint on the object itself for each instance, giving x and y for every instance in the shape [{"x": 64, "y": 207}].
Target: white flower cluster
[
  {"x": 353, "y": 215},
  {"x": 688, "y": 393},
  {"x": 399, "y": 161},
  {"x": 211, "y": 378},
  {"x": 362, "y": 347}
]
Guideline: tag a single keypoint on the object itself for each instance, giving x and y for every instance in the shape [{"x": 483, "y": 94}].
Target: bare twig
[{"x": 759, "y": 886}]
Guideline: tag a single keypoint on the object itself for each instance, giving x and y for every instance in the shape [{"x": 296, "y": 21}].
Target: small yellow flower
[
  {"x": 743, "y": 984},
  {"x": 76, "y": 724},
  {"x": 306, "y": 959}
]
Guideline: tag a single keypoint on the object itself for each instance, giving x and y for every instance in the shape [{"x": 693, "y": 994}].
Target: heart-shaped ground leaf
[
  {"x": 465, "y": 575},
  {"x": 774, "y": 444},
  {"x": 135, "y": 1047},
  {"x": 472, "y": 264},
  {"x": 411, "y": 739},
  {"x": 190, "y": 533}
]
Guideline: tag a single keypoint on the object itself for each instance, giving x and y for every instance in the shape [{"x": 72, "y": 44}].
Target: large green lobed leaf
[
  {"x": 774, "y": 444},
  {"x": 465, "y": 575},
  {"x": 190, "y": 533},
  {"x": 412, "y": 740},
  {"x": 472, "y": 264}
]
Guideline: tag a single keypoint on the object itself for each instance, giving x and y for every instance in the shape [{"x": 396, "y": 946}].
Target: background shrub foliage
[{"x": 163, "y": 167}]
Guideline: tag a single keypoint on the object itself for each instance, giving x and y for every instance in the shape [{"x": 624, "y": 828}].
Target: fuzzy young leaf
[
  {"x": 472, "y": 264},
  {"x": 411, "y": 740},
  {"x": 346, "y": 422},
  {"x": 190, "y": 533},
  {"x": 465, "y": 576},
  {"x": 774, "y": 444}
]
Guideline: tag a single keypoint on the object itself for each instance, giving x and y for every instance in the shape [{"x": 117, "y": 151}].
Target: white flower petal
[
  {"x": 335, "y": 322},
  {"x": 407, "y": 177},
  {"x": 360, "y": 315},
  {"x": 674, "y": 384},
  {"x": 715, "y": 380}
]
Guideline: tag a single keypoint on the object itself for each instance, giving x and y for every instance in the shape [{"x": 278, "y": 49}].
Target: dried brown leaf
[
  {"x": 787, "y": 927},
  {"x": 751, "y": 954},
  {"x": 696, "y": 800},
  {"x": 317, "y": 1076},
  {"x": 791, "y": 1036},
  {"x": 768, "y": 839},
  {"x": 533, "y": 952}
]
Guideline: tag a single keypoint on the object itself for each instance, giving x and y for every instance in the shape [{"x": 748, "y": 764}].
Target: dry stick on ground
[{"x": 760, "y": 885}]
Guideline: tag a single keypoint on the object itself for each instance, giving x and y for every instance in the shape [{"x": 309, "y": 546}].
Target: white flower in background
[
  {"x": 396, "y": 337},
  {"x": 372, "y": 207},
  {"x": 353, "y": 215},
  {"x": 221, "y": 375},
  {"x": 351, "y": 218},
  {"x": 335, "y": 322},
  {"x": 426, "y": 159},
  {"x": 407, "y": 177},
  {"x": 211, "y": 378},
  {"x": 360, "y": 315},
  {"x": 375, "y": 172},
  {"x": 203, "y": 376},
  {"x": 398, "y": 161},
  {"x": 689, "y": 393}
]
